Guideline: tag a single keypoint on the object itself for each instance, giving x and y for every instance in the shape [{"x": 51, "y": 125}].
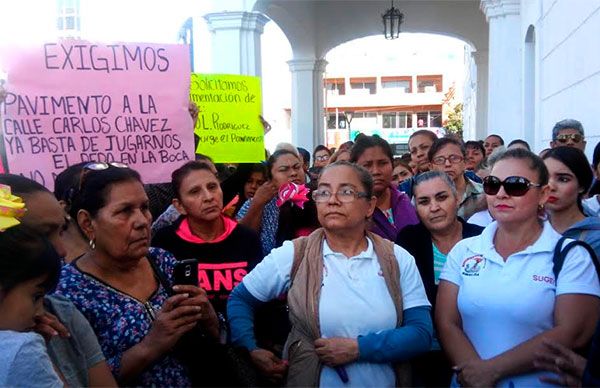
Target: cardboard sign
[
  {"x": 75, "y": 101},
  {"x": 228, "y": 127}
]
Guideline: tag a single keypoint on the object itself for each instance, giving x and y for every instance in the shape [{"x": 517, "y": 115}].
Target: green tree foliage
[{"x": 454, "y": 124}]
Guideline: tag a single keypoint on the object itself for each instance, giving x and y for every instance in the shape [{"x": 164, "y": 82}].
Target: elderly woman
[
  {"x": 357, "y": 303},
  {"x": 429, "y": 242},
  {"x": 498, "y": 299},
  {"x": 115, "y": 283},
  {"x": 393, "y": 209}
]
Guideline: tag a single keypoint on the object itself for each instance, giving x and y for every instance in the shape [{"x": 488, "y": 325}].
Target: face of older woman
[
  {"x": 122, "y": 227},
  {"x": 287, "y": 168},
  {"x": 379, "y": 165},
  {"x": 200, "y": 195},
  {"x": 348, "y": 213},
  {"x": 436, "y": 204},
  {"x": 507, "y": 208}
]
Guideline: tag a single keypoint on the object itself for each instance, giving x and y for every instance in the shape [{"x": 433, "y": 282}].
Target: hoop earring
[{"x": 92, "y": 244}]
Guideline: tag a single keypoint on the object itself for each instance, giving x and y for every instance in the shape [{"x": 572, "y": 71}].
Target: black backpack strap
[
  {"x": 560, "y": 255},
  {"x": 558, "y": 259}
]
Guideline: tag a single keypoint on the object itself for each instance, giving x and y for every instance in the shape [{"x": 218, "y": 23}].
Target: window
[
  {"x": 67, "y": 18},
  {"x": 429, "y": 84},
  {"x": 403, "y": 84},
  {"x": 364, "y": 84},
  {"x": 365, "y": 115},
  {"x": 339, "y": 124},
  {"x": 435, "y": 119},
  {"x": 389, "y": 120},
  {"x": 404, "y": 120},
  {"x": 335, "y": 86},
  {"x": 422, "y": 119},
  {"x": 397, "y": 120},
  {"x": 431, "y": 119}
]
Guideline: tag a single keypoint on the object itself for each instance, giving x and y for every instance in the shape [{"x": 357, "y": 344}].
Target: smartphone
[{"x": 186, "y": 272}]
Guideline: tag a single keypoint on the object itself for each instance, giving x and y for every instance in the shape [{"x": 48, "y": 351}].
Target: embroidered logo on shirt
[{"x": 473, "y": 265}]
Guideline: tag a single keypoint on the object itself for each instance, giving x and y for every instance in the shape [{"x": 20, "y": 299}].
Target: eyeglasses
[
  {"x": 515, "y": 186},
  {"x": 576, "y": 137},
  {"x": 343, "y": 195},
  {"x": 454, "y": 159},
  {"x": 322, "y": 158}
]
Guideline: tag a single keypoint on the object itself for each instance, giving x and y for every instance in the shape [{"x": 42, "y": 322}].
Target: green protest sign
[{"x": 228, "y": 127}]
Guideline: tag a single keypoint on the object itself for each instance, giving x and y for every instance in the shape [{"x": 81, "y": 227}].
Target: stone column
[
  {"x": 307, "y": 102},
  {"x": 236, "y": 41},
  {"x": 505, "y": 80},
  {"x": 481, "y": 117}
]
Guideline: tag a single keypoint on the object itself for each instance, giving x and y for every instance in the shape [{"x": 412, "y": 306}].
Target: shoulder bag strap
[
  {"x": 160, "y": 275},
  {"x": 561, "y": 254}
]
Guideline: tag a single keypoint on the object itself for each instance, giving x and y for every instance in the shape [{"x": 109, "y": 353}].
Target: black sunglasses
[
  {"x": 515, "y": 186},
  {"x": 97, "y": 166}
]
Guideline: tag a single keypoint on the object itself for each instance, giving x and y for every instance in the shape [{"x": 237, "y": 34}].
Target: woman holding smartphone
[{"x": 115, "y": 286}]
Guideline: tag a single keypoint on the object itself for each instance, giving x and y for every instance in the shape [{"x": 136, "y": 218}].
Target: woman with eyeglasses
[
  {"x": 322, "y": 155},
  {"x": 117, "y": 286},
  {"x": 393, "y": 210},
  {"x": 498, "y": 299},
  {"x": 429, "y": 242},
  {"x": 448, "y": 155},
  {"x": 356, "y": 300},
  {"x": 570, "y": 179}
]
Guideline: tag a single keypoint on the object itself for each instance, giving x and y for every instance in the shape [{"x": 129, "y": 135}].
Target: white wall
[{"x": 568, "y": 64}]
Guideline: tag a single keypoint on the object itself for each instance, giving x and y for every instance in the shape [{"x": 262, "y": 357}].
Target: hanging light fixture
[{"x": 392, "y": 19}]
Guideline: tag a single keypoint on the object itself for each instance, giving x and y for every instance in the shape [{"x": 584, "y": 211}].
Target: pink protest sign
[{"x": 75, "y": 101}]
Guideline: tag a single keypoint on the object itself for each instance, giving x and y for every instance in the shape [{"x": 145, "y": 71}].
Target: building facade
[{"x": 533, "y": 61}]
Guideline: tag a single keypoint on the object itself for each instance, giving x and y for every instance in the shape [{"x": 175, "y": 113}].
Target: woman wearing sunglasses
[
  {"x": 114, "y": 284},
  {"x": 570, "y": 179},
  {"x": 498, "y": 299}
]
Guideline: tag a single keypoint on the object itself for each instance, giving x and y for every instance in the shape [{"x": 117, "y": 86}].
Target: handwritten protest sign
[
  {"x": 75, "y": 101},
  {"x": 228, "y": 127}
]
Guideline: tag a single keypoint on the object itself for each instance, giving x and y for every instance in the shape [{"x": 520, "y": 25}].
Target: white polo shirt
[
  {"x": 503, "y": 304},
  {"x": 354, "y": 301}
]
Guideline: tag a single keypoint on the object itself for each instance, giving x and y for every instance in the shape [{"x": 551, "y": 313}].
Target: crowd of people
[{"x": 458, "y": 263}]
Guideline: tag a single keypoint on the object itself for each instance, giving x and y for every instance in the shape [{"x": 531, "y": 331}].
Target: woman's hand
[
  {"x": 476, "y": 373},
  {"x": 199, "y": 298},
  {"x": 337, "y": 351},
  {"x": 265, "y": 193},
  {"x": 172, "y": 321},
  {"x": 269, "y": 364},
  {"x": 48, "y": 326},
  {"x": 568, "y": 365}
]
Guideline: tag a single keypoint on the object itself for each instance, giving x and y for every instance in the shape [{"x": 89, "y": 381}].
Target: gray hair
[
  {"x": 567, "y": 124},
  {"x": 364, "y": 176},
  {"x": 430, "y": 175}
]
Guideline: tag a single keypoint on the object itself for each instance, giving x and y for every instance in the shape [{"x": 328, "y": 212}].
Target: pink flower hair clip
[{"x": 296, "y": 194}]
